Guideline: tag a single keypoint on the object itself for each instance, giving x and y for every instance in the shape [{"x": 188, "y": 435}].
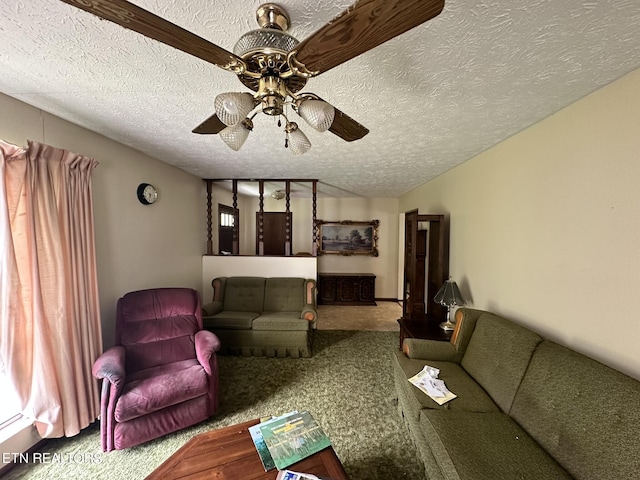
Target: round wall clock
[{"x": 147, "y": 193}]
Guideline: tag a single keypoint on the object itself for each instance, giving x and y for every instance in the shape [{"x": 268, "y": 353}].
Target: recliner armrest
[
  {"x": 110, "y": 366},
  {"x": 207, "y": 343}
]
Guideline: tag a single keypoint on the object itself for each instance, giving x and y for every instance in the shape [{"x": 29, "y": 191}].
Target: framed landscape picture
[{"x": 347, "y": 237}]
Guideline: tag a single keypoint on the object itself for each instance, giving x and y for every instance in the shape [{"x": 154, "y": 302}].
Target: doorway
[
  {"x": 276, "y": 233},
  {"x": 226, "y": 223},
  {"x": 426, "y": 264}
]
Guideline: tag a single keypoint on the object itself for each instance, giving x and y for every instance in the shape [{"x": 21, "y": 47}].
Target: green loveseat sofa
[
  {"x": 258, "y": 316},
  {"x": 526, "y": 407}
]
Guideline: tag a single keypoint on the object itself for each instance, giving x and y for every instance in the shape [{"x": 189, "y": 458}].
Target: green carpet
[{"x": 347, "y": 386}]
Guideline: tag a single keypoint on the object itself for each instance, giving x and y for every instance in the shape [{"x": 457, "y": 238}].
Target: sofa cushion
[
  {"x": 284, "y": 294},
  {"x": 244, "y": 294},
  {"x": 230, "y": 320},
  {"x": 470, "y": 395},
  {"x": 498, "y": 355},
  {"x": 280, "y": 321},
  {"x": 566, "y": 401},
  {"x": 159, "y": 387},
  {"x": 485, "y": 446}
]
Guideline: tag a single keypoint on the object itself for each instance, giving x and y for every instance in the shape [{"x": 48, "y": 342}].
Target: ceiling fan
[{"x": 275, "y": 65}]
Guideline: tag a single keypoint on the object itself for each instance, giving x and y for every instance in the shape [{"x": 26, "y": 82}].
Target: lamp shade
[
  {"x": 317, "y": 113},
  {"x": 235, "y": 135},
  {"x": 449, "y": 294},
  {"x": 298, "y": 141},
  {"x": 233, "y": 107}
]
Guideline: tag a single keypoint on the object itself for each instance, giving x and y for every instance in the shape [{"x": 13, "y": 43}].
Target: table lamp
[{"x": 449, "y": 296}]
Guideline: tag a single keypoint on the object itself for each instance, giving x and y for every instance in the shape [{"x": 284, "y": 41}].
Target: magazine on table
[
  {"x": 291, "y": 475},
  {"x": 427, "y": 381},
  {"x": 293, "y": 437},
  {"x": 258, "y": 441}
]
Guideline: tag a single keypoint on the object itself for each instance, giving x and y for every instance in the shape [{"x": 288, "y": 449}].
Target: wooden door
[
  {"x": 426, "y": 264},
  {"x": 414, "y": 267},
  {"x": 276, "y": 228},
  {"x": 227, "y": 217}
]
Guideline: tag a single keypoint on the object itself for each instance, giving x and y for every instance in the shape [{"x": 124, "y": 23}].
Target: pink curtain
[{"x": 49, "y": 315}]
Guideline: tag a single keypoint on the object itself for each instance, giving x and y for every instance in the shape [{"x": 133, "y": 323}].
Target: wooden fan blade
[
  {"x": 146, "y": 23},
  {"x": 346, "y": 127},
  {"x": 211, "y": 125},
  {"x": 343, "y": 125},
  {"x": 363, "y": 26}
]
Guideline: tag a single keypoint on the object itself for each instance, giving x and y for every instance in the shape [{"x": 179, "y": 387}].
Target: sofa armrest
[
  {"x": 218, "y": 284},
  {"x": 466, "y": 319},
  {"x": 310, "y": 293},
  {"x": 310, "y": 314},
  {"x": 211, "y": 308},
  {"x": 110, "y": 366},
  {"x": 421, "y": 349},
  {"x": 207, "y": 344},
  {"x": 310, "y": 310}
]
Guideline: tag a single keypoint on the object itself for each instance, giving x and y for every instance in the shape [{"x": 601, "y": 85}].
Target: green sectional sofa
[
  {"x": 526, "y": 407},
  {"x": 258, "y": 316}
]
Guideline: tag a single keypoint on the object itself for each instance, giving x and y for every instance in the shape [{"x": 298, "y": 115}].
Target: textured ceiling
[{"x": 432, "y": 98}]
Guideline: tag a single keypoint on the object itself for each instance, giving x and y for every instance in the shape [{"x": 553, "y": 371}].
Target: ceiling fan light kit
[
  {"x": 267, "y": 51},
  {"x": 233, "y": 107},
  {"x": 316, "y": 113},
  {"x": 234, "y": 136},
  {"x": 296, "y": 140},
  {"x": 275, "y": 65}
]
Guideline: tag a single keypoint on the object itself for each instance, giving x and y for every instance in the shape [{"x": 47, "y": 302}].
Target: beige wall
[
  {"x": 137, "y": 246},
  {"x": 545, "y": 227},
  {"x": 385, "y": 265}
]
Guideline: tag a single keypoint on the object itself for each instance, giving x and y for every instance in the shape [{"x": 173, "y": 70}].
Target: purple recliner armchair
[{"x": 162, "y": 373}]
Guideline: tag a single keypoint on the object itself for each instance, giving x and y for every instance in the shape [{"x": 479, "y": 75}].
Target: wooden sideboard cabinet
[{"x": 346, "y": 289}]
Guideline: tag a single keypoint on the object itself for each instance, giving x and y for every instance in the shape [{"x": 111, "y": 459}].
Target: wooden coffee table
[{"x": 229, "y": 454}]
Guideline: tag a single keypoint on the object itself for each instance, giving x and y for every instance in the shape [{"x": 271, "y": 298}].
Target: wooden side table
[{"x": 426, "y": 327}]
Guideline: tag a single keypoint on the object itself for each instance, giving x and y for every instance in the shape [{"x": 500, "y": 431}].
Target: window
[
  {"x": 9, "y": 406},
  {"x": 226, "y": 220}
]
